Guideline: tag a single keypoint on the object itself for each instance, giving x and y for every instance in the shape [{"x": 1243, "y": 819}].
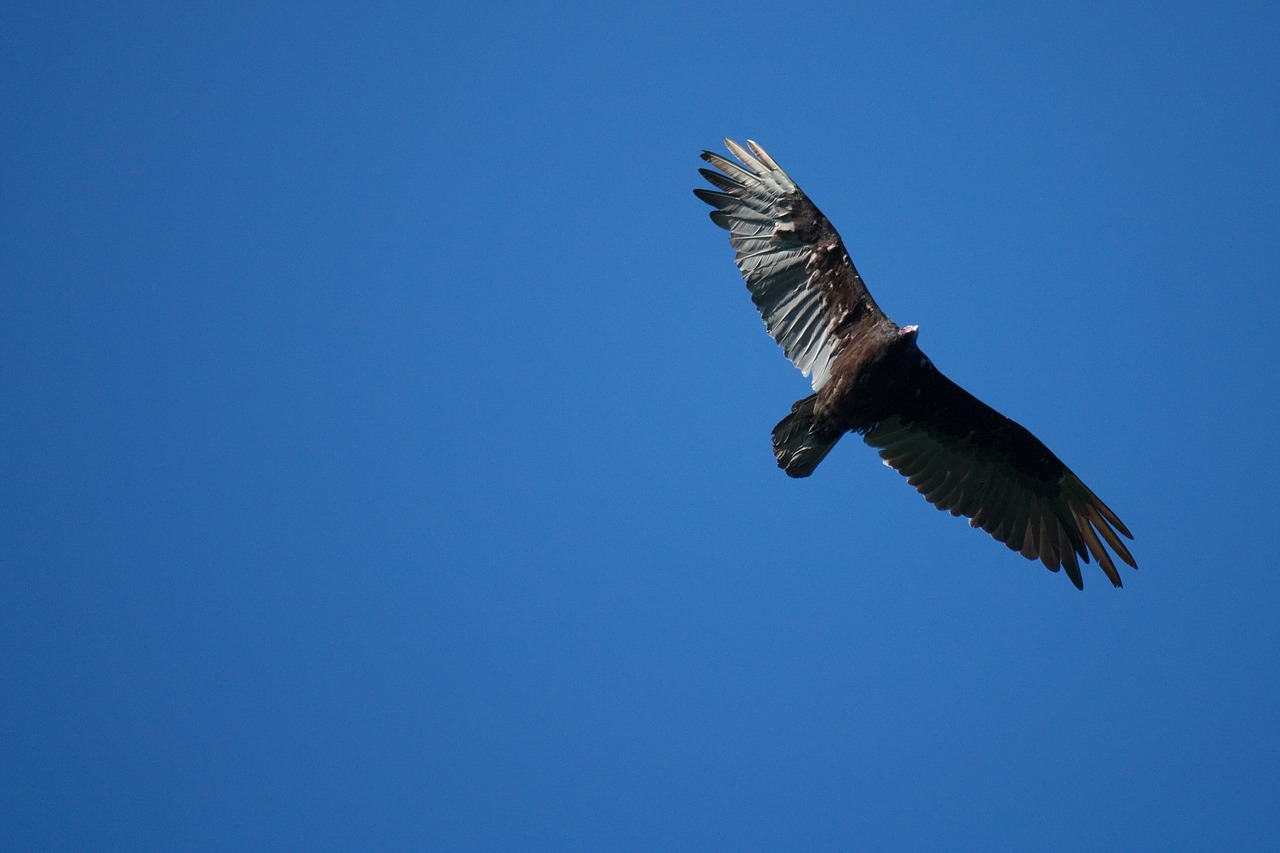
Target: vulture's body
[{"x": 870, "y": 377}]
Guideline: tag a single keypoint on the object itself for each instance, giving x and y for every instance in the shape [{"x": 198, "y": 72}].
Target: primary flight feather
[{"x": 870, "y": 377}]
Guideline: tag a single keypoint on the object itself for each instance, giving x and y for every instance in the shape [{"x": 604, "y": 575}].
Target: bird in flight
[{"x": 870, "y": 377}]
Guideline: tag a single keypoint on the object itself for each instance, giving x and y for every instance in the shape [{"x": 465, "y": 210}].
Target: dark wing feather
[
  {"x": 968, "y": 459},
  {"x": 799, "y": 274}
]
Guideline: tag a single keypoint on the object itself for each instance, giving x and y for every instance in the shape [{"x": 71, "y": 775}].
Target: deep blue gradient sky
[{"x": 385, "y": 429}]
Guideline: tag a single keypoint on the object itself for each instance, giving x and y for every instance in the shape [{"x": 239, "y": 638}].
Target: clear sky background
[{"x": 385, "y": 429}]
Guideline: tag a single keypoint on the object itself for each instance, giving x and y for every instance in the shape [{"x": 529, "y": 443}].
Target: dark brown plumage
[{"x": 870, "y": 377}]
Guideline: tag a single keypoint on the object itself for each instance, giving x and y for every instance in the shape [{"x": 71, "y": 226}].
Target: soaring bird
[{"x": 870, "y": 377}]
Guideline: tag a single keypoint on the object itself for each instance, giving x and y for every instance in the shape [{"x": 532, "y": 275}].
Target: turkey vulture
[{"x": 870, "y": 377}]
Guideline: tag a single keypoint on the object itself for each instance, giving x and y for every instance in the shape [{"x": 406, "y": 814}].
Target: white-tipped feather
[{"x": 754, "y": 204}]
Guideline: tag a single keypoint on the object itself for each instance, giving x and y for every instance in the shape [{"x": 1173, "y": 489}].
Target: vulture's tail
[{"x": 798, "y": 446}]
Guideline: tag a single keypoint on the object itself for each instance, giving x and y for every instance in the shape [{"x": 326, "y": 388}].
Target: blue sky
[{"x": 386, "y": 430}]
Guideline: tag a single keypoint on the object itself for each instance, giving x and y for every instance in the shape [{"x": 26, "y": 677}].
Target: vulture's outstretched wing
[
  {"x": 967, "y": 458},
  {"x": 799, "y": 274}
]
